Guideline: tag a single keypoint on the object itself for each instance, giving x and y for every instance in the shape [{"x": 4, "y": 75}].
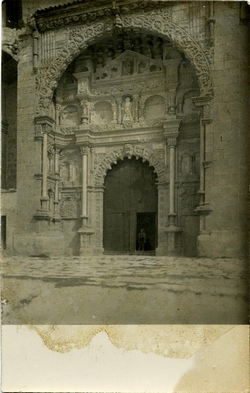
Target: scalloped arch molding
[
  {"x": 81, "y": 37},
  {"x": 129, "y": 151}
]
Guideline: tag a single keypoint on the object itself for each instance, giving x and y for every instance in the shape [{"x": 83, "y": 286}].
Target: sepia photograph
[{"x": 125, "y": 170}]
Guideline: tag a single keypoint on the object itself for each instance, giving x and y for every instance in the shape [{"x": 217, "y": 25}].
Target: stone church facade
[{"x": 125, "y": 115}]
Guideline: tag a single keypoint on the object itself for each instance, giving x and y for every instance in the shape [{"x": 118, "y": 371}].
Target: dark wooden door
[{"x": 129, "y": 189}]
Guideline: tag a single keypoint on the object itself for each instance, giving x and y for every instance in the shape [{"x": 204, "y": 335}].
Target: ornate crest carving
[{"x": 69, "y": 206}]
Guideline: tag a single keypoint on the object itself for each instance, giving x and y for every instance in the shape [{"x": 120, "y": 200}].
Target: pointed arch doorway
[{"x": 130, "y": 204}]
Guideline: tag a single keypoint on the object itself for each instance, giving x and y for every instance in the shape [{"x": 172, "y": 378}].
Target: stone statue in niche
[{"x": 127, "y": 110}]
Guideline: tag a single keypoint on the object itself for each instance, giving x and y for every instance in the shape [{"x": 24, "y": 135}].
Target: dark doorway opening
[
  {"x": 130, "y": 200},
  {"x": 147, "y": 222},
  {"x": 3, "y": 232}
]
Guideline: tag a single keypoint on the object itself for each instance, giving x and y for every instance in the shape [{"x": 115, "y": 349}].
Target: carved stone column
[
  {"x": 171, "y": 133},
  {"x": 98, "y": 205},
  {"x": 162, "y": 212},
  {"x": 114, "y": 111},
  {"x": 35, "y": 49},
  {"x": 119, "y": 100},
  {"x": 57, "y": 216},
  {"x": 45, "y": 171},
  {"x": 85, "y": 232}
]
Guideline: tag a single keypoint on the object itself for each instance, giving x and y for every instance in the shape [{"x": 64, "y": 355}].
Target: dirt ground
[{"x": 124, "y": 290}]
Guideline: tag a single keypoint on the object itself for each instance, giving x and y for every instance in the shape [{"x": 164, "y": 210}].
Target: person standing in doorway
[{"x": 142, "y": 240}]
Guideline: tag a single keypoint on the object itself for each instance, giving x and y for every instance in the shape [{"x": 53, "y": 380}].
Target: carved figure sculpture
[{"x": 127, "y": 110}]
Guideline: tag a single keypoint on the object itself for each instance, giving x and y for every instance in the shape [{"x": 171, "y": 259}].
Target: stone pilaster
[
  {"x": 43, "y": 125},
  {"x": 86, "y": 231},
  {"x": 57, "y": 216},
  {"x": 171, "y": 133}
]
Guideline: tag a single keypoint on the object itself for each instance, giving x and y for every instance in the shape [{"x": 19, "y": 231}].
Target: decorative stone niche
[
  {"x": 69, "y": 116},
  {"x": 102, "y": 113},
  {"x": 155, "y": 108}
]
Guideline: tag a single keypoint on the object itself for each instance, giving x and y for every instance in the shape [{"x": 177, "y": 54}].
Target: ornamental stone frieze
[
  {"x": 79, "y": 38},
  {"x": 81, "y": 14}
]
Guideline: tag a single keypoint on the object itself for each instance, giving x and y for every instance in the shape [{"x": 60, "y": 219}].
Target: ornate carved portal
[{"x": 128, "y": 96}]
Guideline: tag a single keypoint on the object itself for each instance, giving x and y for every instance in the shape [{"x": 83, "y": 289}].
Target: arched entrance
[{"x": 130, "y": 204}]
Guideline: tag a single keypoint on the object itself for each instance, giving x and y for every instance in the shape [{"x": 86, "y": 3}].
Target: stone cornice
[{"x": 82, "y": 12}]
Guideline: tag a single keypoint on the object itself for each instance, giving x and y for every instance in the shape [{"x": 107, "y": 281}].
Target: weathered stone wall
[
  {"x": 28, "y": 162},
  {"x": 227, "y": 138},
  {"x": 9, "y": 116}
]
